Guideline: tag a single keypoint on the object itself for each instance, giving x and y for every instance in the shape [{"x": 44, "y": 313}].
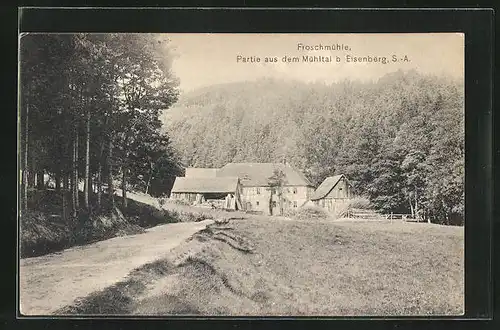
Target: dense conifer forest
[
  {"x": 89, "y": 115},
  {"x": 400, "y": 139}
]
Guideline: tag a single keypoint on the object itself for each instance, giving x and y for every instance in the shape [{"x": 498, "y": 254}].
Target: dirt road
[{"x": 53, "y": 281}]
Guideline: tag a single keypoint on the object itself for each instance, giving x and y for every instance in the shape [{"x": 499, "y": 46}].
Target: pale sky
[{"x": 207, "y": 59}]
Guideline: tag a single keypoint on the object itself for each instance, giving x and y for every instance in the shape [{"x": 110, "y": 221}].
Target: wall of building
[
  {"x": 297, "y": 196},
  {"x": 257, "y": 198},
  {"x": 217, "y": 199},
  {"x": 341, "y": 190},
  {"x": 337, "y": 199},
  {"x": 188, "y": 197},
  {"x": 333, "y": 205}
]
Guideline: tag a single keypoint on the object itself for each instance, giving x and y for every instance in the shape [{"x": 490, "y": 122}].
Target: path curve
[{"x": 50, "y": 282}]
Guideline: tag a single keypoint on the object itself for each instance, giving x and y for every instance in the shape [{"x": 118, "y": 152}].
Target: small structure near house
[
  {"x": 219, "y": 192},
  {"x": 332, "y": 193}
]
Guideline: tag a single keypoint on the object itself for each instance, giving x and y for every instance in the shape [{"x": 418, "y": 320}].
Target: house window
[
  {"x": 294, "y": 190},
  {"x": 257, "y": 203},
  {"x": 294, "y": 203},
  {"x": 258, "y": 190}
]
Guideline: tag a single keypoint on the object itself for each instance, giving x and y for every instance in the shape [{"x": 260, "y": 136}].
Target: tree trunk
[
  {"x": 63, "y": 195},
  {"x": 32, "y": 170},
  {"x": 416, "y": 207},
  {"x": 72, "y": 180},
  {"x": 411, "y": 205},
  {"x": 76, "y": 202},
  {"x": 40, "y": 184},
  {"x": 25, "y": 167},
  {"x": 99, "y": 186},
  {"x": 150, "y": 177},
  {"x": 58, "y": 181},
  {"x": 77, "y": 176},
  {"x": 147, "y": 185},
  {"x": 124, "y": 186},
  {"x": 99, "y": 175},
  {"x": 95, "y": 178},
  {"x": 445, "y": 212},
  {"x": 87, "y": 182},
  {"x": 110, "y": 173},
  {"x": 281, "y": 200},
  {"x": 271, "y": 201}
]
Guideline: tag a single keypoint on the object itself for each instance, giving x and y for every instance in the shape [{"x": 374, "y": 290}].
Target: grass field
[{"x": 265, "y": 266}]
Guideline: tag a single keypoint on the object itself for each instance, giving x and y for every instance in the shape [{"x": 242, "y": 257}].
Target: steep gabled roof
[
  {"x": 326, "y": 186},
  {"x": 205, "y": 185},
  {"x": 258, "y": 174}
]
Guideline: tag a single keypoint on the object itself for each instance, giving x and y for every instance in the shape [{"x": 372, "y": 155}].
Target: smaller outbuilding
[
  {"x": 332, "y": 193},
  {"x": 218, "y": 192}
]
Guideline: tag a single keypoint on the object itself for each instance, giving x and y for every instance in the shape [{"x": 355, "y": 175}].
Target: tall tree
[
  {"x": 93, "y": 98},
  {"x": 276, "y": 183}
]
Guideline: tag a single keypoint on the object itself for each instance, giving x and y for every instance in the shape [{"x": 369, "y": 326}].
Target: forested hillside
[{"x": 400, "y": 139}]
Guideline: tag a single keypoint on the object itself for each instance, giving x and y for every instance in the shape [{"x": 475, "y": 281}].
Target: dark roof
[
  {"x": 205, "y": 185},
  {"x": 326, "y": 186},
  {"x": 258, "y": 174}
]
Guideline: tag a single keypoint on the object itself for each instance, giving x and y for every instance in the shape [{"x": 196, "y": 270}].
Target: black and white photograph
[{"x": 241, "y": 174}]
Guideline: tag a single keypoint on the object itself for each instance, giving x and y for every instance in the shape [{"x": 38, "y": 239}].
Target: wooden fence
[
  {"x": 402, "y": 216},
  {"x": 371, "y": 214}
]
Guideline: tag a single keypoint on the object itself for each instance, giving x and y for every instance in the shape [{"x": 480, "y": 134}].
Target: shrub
[
  {"x": 177, "y": 202},
  {"x": 39, "y": 235},
  {"x": 143, "y": 215},
  {"x": 310, "y": 213},
  {"x": 360, "y": 203},
  {"x": 161, "y": 201},
  {"x": 171, "y": 216},
  {"x": 176, "y": 215}
]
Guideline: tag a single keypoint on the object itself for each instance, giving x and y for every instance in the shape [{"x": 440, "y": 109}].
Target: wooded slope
[{"x": 400, "y": 139}]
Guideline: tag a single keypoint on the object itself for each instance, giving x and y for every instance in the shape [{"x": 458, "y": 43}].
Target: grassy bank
[
  {"x": 285, "y": 267},
  {"x": 44, "y": 229}
]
